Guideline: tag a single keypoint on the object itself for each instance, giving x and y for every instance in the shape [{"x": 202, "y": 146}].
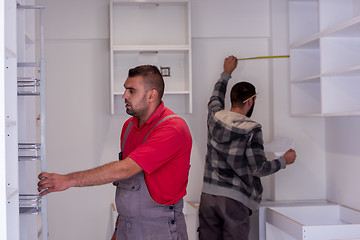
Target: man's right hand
[
  {"x": 230, "y": 64},
  {"x": 290, "y": 156}
]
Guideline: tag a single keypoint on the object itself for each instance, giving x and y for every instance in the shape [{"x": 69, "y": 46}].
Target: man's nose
[{"x": 124, "y": 96}]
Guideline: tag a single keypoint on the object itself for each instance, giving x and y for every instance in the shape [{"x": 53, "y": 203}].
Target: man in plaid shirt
[{"x": 235, "y": 161}]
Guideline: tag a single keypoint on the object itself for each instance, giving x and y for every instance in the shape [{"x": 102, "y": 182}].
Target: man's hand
[
  {"x": 290, "y": 156},
  {"x": 53, "y": 182},
  {"x": 230, "y": 64}
]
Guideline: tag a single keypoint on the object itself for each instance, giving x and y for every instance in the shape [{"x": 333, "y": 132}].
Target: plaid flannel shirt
[{"x": 235, "y": 158}]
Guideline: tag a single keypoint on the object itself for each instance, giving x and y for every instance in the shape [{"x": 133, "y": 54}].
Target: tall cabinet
[
  {"x": 25, "y": 155},
  {"x": 157, "y": 33},
  {"x": 324, "y": 40},
  {"x": 9, "y": 157}
]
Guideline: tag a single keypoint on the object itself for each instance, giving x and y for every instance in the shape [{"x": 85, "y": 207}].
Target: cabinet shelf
[
  {"x": 348, "y": 29},
  {"x": 324, "y": 64},
  {"x": 29, "y": 204},
  {"x": 144, "y": 48},
  {"x": 313, "y": 78},
  {"x": 352, "y": 71}
]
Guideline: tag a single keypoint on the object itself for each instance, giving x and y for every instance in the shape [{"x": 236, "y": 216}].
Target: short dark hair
[
  {"x": 152, "y": 76},
  {"x": 240, "y": 92}
]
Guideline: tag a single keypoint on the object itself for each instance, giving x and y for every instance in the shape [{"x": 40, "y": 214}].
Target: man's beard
[
  {"x": 130, "y": 112},
  {"x": 249, "y": 113},
  {"x": 136, "y": 113}
]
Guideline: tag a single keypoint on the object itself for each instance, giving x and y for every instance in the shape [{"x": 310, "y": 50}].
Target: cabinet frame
[{"x": 163, "y": 42}]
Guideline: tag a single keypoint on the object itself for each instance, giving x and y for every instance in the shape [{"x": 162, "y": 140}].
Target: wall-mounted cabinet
[
  {"x": 324, "y": 64},
  {"x": 156, "y": 33}
]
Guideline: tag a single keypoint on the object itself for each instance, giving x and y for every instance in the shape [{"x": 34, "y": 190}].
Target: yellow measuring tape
[{"x": 262, "y": 57}]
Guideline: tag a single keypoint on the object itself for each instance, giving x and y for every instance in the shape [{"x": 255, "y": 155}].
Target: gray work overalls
[{"x": 140, "y": 217}]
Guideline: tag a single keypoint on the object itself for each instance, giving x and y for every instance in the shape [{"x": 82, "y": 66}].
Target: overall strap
[
  {"x": 130, "y": 124},
  {"x": 161, "y": 120},
  {"x": 125, "y": 135}
]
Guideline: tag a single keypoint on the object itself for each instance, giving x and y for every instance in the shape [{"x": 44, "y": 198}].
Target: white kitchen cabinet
[
  {"x": 324, "y": 40},
  {"x": 156, "y": 33},
  {"x": 312, "y": 222}
]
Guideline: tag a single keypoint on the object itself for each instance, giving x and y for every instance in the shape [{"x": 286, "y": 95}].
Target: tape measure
[{"x": 263, "y": 57}]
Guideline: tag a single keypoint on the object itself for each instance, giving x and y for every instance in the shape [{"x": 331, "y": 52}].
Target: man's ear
[
  {"x": 153, "y": 95},
  {"x": 250, "y": 102}
]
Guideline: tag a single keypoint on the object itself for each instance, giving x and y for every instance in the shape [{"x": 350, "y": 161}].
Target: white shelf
[
  {"x": 156, "y": 33},
  {"x": 144, "y": 48},
  {"x": 350, "y": 28},
  {"x": 324, "y": 63},
  {"x": 313, "y": 78}
]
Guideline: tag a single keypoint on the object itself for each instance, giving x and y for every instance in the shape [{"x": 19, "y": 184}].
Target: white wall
[
  {"x": 343, "y": 160},
  {"x": 306, "y": 178},
  {"x": 82, "y": 134}
]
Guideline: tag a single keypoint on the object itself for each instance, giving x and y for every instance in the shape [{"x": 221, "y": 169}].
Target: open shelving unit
[
  {"x": 31, "y": 119},
  {"x": 324, "y": 40},
  {"x": 156, "y": 33},
  {"x": 24, "y": 100}
]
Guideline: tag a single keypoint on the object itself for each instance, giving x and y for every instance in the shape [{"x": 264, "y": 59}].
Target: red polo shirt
[{"x": 165, "y": 155}]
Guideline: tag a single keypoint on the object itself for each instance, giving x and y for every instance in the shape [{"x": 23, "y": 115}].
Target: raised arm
[{"x": 217, "y": 102}]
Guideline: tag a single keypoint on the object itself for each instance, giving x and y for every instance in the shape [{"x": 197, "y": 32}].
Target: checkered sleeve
[
  {"x": 217, "y": 102},
  {"x": 257, "y": 161}
]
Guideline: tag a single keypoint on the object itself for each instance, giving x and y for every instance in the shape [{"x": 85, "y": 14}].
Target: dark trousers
[{"x": 222, "y": 218}]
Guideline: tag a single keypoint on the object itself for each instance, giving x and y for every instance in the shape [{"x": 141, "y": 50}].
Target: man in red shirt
[{"x": 152, "y": 174}]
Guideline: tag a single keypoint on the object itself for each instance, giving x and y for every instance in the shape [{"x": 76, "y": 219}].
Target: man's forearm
[
  {"x": 104, "y": 174},
  {"x": 96, "y": 176},
  {"x": 114, "y": 171}
]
